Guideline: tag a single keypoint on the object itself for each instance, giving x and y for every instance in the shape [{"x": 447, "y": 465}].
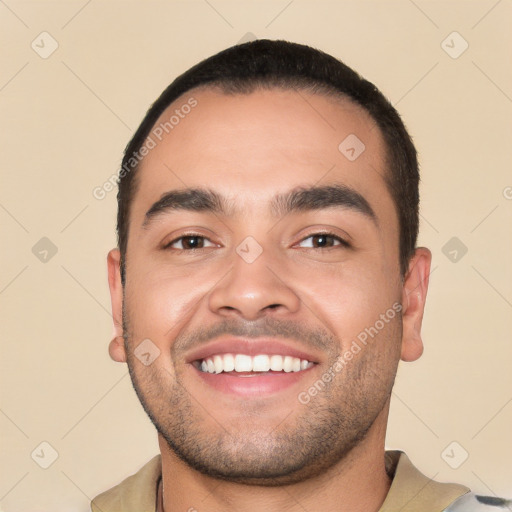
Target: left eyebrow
[
  {"x": 300, "y": 199},
  {"x": 321, "y": 197}
]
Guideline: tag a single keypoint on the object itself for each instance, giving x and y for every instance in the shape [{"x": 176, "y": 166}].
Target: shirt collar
[{"x": 410, "y": 491}]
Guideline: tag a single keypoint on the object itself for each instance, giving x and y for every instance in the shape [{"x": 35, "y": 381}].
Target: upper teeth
[{"x": 259, "y": 363}]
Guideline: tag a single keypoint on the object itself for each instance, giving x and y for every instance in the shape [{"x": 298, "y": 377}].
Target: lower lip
[{"x": 255, "y": 385}]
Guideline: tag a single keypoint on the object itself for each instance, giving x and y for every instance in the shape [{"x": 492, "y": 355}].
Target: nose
[{"x": 251, "y": 290}]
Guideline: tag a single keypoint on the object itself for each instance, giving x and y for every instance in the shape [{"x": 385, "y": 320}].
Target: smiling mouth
[{"x": 244, "y": 365}]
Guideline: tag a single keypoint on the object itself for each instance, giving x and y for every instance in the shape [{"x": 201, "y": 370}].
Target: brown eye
[
  {"x": 192, "y": 242},
  {"x": 323, "y": 240},
  {"x": 188, "y": 242}
]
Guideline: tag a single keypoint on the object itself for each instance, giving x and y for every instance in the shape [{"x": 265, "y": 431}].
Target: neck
[{"x": 357, "y": 483}]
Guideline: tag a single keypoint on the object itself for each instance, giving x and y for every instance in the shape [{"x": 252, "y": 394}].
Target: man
[{"x": 265, "y": 286}]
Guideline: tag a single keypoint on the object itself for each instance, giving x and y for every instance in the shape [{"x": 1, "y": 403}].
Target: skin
[{"x": 268, "y": 453}]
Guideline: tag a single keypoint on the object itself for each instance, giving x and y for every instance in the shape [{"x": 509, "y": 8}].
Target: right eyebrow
[{"x": 191, "y": 199}]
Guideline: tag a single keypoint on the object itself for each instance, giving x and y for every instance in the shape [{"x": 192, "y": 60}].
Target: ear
[
  {"x": 414, "y": 294},
  {"x": 116, "y": 347}
]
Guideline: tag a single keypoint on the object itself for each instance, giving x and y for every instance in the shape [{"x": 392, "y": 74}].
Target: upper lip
[{"x": 250, "y": 347}]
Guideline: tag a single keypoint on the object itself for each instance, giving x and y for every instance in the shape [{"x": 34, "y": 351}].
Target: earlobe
[
  {"x": 414, "y": 294},
  {"x": 116, "y": 347}
]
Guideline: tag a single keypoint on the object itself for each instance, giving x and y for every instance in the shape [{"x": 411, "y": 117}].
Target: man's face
[{"x": 255, "y": 278}]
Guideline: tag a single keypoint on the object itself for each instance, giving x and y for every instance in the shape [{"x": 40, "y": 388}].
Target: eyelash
[{"x": 342, "y": 242}]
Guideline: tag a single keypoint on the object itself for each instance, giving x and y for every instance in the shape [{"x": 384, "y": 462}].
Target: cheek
[
  {"x": 350, "y": 298},
  {"x": 159, "y": 303}
]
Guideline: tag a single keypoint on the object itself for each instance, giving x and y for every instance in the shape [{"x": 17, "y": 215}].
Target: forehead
[{"x": 253, "y": 146}]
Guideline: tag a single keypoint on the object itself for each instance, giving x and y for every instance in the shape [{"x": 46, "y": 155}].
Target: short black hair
[{"x": 264, "y": 63}]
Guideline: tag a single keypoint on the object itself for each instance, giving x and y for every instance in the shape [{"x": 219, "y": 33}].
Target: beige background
[{"x": 66, "y": 119}]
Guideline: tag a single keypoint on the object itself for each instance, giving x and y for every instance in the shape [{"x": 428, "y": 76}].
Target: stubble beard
[{"x": 315, "y": 437}]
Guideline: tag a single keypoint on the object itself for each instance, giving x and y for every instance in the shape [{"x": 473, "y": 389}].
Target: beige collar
[{"x": 410, "y": 491}]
